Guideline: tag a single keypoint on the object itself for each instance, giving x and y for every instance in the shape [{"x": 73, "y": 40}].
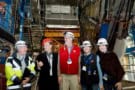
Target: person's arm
[
  {"x": 120, "y": 72},
  {"x": 58, "y": 66},
  {"x": 79, "y": 72},
  {"x": 39, "y": 63},
  {"x": 59, "y": 72},
  {"x": 79, "y": 62},
  {"x": 79, "y": 66},
  {"x": 30, "y": 70},
  {"x": 100, "y": 73}
]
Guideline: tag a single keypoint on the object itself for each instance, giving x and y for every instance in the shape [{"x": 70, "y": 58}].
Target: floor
[{"x": 128, "y": 85}]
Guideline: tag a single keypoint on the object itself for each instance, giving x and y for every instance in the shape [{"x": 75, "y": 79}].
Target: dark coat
[
  {"x": 91, "y": 65},
  {"x": 47, "y": 82},
  {"x": 110, "y": 64}
]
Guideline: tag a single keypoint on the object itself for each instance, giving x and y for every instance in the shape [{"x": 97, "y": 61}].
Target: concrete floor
[{"x": 128, "y": 85}]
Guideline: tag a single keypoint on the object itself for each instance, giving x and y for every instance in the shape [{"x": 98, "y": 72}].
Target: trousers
[{"x": 69, "y": 82}]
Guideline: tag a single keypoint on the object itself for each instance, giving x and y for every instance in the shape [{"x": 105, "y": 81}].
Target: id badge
[
  {"x": 105, "y": 77},
  {"x": 84, "y": 68},
  {"x": 69, "y": 61}
]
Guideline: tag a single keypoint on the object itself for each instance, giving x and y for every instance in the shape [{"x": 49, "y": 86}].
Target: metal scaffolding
[{"x": 28, "y": 21}]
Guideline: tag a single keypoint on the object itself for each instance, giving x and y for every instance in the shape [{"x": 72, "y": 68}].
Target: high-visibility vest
[{"x": 13, "y": 69}]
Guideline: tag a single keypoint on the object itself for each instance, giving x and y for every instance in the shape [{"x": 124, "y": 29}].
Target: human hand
[
  {"x": 40, "y": 63},
  {"x": 118, "y": 85},
  {"x": 60, "y": 79},
  {"x": 25, "y": 81},
  {"x": 101, "y": 87},
  {"x": 79, "y": 79}
]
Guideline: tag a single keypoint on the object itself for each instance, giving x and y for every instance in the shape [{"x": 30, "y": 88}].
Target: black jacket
[
  {"x": 91, "y": 66},
  {"x": 45, "y": 78}
]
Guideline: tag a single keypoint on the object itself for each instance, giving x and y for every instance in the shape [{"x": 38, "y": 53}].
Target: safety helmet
[
  {"x": 46, "y": 40},
  {"x": 86, "y": 44},
  {"x": 102, "y": 41},
  {"x": 20, "y": 43},
  {"x": 69, "y": 34}
]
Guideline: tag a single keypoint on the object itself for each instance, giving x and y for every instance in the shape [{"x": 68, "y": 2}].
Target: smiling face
[
  {"x": 103, "y": 48},
  {"x": 68, "y": 40},
  {"x": 87, "y": 49},
  {"x": 48, "y": 47}
]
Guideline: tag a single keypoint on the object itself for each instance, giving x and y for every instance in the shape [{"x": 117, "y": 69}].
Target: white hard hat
[
  {"x": 86, "y": 44},
  {"x": 69, "y": 34},
  {"x": 20, "y": 43},
  {"x": 102, "y": 41}
]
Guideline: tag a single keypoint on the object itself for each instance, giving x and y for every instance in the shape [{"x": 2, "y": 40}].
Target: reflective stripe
[
  {"x": 10, "y": 58},
  {"x": 17, "y": 68},
  {"x": 13, "y": 78},
  {"x": 33, "y": 73},
  {"x": 32, "y": 64},
  {"x": 18, "y": 86},
  {"x": 29, "y": 62},
  {"x": 16, "y": 65},
  {"x": 30, "y": 58}
]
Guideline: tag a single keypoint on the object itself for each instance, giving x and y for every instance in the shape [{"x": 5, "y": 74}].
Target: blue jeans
[{"x": 93, "y": 87}]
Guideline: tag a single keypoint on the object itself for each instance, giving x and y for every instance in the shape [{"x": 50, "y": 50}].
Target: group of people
[{"x": 71, "y": 67}]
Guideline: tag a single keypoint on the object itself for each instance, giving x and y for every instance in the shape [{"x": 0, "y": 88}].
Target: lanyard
[{"x": 87, "y": 59}]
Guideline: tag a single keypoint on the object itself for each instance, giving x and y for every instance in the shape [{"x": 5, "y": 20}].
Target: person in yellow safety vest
[{"x": 19, "y": 67}]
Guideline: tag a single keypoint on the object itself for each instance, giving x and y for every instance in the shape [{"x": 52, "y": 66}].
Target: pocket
[{"x": 110, "y": 80}]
